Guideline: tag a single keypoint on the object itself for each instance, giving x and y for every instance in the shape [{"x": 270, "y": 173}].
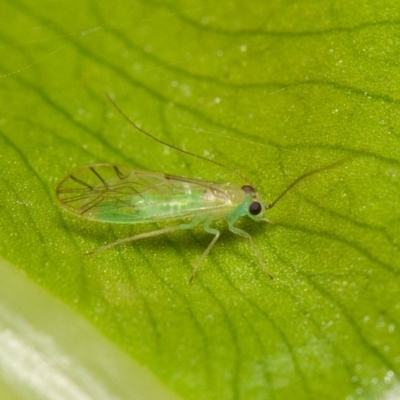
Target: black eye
[{"x": 255, "y": 208}]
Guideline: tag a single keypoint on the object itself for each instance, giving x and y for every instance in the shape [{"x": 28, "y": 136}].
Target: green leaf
[
  {"x": 47, "y": 351},
  {"x": 271, "y": 89}
]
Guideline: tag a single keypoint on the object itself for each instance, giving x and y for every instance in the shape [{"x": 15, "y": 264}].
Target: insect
[{"x": 114, "y": 194}]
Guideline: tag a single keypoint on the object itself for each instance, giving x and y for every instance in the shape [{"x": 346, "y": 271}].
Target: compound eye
[{"x": 255, "y": 208}]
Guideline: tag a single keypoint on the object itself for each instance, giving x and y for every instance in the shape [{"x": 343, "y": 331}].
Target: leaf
[
  {"x": 272, "y": 90},
  {"x": 47, "y": 351}
]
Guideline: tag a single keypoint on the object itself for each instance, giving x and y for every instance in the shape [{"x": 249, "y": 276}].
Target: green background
[{"x": 274, "y": 89}]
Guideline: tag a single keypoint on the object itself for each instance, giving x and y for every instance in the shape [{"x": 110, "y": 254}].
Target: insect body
[
  {"x": 113, "y": 194},
  {"x": 109, "y": 193}
]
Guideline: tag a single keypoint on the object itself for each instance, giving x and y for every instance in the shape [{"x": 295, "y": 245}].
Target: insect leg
[
  {"x": 145, "y": 235},
  {"x": 216, "y": 234},
  {"x": 243, "y": 233},
  {"x": 133, "y": 238}
]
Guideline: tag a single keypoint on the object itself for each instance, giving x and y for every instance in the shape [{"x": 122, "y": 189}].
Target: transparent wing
[{"x": 110, "y": 193}]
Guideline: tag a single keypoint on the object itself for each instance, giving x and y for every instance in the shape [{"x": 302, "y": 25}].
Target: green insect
[{"x": 114, "y": 194}]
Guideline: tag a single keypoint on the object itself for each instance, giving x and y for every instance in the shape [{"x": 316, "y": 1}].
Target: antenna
[
  {"x": 234, "y": 171},
  {"x": 302, "y": 177}
]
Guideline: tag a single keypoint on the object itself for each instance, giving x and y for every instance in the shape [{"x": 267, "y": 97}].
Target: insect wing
[{"x": 109, "y": 193}]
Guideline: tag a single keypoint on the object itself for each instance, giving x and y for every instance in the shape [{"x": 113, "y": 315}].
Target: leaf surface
[{"x": 273, "y": 90}]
